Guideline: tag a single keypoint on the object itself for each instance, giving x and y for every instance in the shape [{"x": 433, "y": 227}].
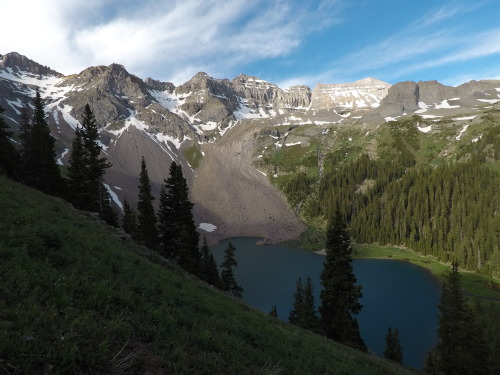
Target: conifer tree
[
  {"x": 227, "y": 277},
  {"x": 298, "y": 303},
  {"x": 455, "y": 348},
  {"x": 178, "y": 236},
  {"x": 340, "y": 294},
  {"x": 303, "y": 313},
  {"x": 309, "y": 318},
  {"x": 393, "y": 346},
  {"x": 209, "y": 272},
  {"x": 147, "y": 231},
  {"x": 41, "y": 170},
  {"x": 129, "y": 220},
  {"x": 9, "y": 157},
  {"x": 86, "y": 171},
  {"x": 273, "y": 312}
]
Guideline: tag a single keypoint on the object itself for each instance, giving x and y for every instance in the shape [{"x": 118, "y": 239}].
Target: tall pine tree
[
  {"x": 86, "y": 171},
  {"x": 393, "y": 350},
  {"x": 455, "y": 349},
  {"x": 129, "y": 220},
  {"x": 147, "y": 231},
  {"x": 178, "y": 236},
  {"x": 227, "y": 276},
  {"x": 340, "y": 294},
  {"x": 303, "y": 313},
  {"x": 40, "y": 169},
  {"x": 208, "y": 266}
]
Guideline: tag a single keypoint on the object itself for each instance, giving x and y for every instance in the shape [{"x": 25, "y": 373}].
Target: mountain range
[{"x": 221, "y": 131}]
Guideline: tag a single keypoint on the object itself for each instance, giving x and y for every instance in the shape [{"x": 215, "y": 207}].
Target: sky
[{"x": 284, "y": 42}]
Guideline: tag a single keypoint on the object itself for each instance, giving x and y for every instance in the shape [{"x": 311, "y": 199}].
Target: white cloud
[{"x": 157, "y": 37}]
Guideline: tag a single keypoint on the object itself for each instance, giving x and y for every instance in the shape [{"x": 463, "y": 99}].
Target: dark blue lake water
[{"x": 395, "y": 294}]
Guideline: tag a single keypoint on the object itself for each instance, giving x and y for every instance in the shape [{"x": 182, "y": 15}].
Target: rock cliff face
[
  {"x": 402, "y": 97},
  {"x": 412, "y": 97},
  {"x": 366, "y": 93},
  {"x": 262, "y": 94},
  {"x": 17, "y": 63}
]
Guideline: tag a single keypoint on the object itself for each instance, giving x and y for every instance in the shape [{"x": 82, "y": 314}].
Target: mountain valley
[{"x": 241, "y": 141}]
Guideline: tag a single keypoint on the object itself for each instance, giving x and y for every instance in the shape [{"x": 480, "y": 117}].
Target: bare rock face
[
  {"x": 366, "y": 93},
  {"x": 18, "y": 63},
  {"x": 159, "y": 86},
  {"x": 430, "y": 92},
  {"x": 262, "y": 94},
  {"x": 407, "y": 97},
  {"x": 112, "y": 92},
  {"x": 401, "y": 98},
  {"x": 207, "y": 99}
]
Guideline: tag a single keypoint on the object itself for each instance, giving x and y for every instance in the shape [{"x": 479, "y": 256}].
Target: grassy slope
[{"x": 76, "y": 296}]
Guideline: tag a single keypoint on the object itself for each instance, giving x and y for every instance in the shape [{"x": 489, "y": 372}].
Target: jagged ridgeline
[
  {"x": 428, "y": 193},
  {"x": 427, "y": 182}
]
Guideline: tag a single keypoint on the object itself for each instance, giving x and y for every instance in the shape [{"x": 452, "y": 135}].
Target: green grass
[
  {"x": 193, "y": 155},
  {"x": 77, "y": 297},
  {"x": 473, "y": 283}
]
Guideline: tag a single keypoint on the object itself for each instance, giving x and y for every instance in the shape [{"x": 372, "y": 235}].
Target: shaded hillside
[{"x": 76, "y": 297}]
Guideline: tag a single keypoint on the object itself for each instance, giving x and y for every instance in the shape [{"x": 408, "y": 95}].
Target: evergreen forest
[{"x": 425, "y": 192}]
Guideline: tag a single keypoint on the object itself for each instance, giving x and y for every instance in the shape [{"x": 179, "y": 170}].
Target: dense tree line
[{"x": 449, "y": 211}]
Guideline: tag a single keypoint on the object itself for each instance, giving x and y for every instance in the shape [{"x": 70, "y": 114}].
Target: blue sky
[{"x": 284, "y": 42}]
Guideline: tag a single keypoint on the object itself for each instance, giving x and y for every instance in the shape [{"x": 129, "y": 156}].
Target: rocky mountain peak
[
  {"x": 200, "y": 81},
  {"x": 19, "y": 63},
  {"x": 363, "y": 94},
  {"x": 159, "y": 86}
]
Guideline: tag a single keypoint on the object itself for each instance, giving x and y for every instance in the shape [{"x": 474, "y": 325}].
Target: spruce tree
[
  {"x": 340, "y": 294},
  {"x": 273, "y": 312},
  {"x": 455, "y": 348},
  {"x": 41, "y": 170},
  {"x": 309, "y": 319},
  {"x": 298, "y": 303},
  {"x": 227, "y": 277},
  {"x": 129, "y": 220},
  {"x": 147, "y": 231},
  {"x": 393, "y": 346},
  {"x": 303, "y": 313},
  {"x": 178, "y": 236},
  {"x": 86, "y": 171},
  {"x": 9, "y": 157},
  {"x": 78, "y": 193},
  {"x": 209, "y": 272}
]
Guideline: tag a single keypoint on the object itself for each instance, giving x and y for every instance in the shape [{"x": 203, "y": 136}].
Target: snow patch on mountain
[
  {"x": 465, "y": 118},
  {"x": 66, "y": 113},
  {"x": 165, "y": 138},
  {"x": 425, "y": 129},
  {"x": 446, "y": 105},
  {"x": 490, "y": 101},
  {"x": 464, "y": 129},
  {"x": 59, "y": 160},
  {"x": 207, "y": 227},
  {"x": 15, "y": 105},
  {"x": 113, "y": 196}
]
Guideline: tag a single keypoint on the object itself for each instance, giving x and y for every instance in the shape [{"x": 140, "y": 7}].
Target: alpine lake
[{"x": 396, "y": 294}]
